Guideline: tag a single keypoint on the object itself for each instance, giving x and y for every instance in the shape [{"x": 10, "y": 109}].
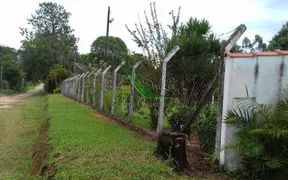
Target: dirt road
[{"x": 5, "y": 101}]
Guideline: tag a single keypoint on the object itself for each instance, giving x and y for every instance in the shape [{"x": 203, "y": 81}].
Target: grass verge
[
  {"x": 19, "y": 132},
  {"x": 85, "y": 147}
]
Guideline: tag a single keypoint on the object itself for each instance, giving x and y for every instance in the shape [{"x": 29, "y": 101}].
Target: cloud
[{"x": 89, "y": 17}]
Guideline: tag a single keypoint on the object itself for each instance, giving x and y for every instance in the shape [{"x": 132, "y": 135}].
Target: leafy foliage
[
  {"x": 57, "y": 91},
  {"x": 50, "y": 41},
  {"x": 11, "y": 68},
  {"x": 115, "y": 52},
  {"x": 280, "y": 40},
  {"x": 262, "y": 136},
  {"x": 206, "y": 127},
  {"x": 153, "y": 39},
  {"x": 179, "y": 119}
]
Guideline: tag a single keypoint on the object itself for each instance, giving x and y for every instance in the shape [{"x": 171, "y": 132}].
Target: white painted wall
[{"x": 265, "y": 86}]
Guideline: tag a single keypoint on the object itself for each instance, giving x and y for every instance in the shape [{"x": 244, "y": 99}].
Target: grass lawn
[
  {"x": 19, "y": 132},
  {"x": 86, "y": 147}
]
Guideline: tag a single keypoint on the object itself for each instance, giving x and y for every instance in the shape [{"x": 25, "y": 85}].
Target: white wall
[{"x": 264, "y": 85}]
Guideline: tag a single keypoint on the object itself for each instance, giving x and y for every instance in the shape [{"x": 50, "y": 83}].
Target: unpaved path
[{"x": 5, "y": 101}]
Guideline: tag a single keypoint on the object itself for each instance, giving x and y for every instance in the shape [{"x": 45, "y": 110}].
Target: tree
[
  {"x": 11, "y": 69},
  {"x": 49, "y": 41},
  {"x": 257, "y": 44},
  {"x": 113, "y": 54},
  {"x": 280, "y": 40},
  {"x": 153, "y": 39},
  {"x": 192, "y": 69}
]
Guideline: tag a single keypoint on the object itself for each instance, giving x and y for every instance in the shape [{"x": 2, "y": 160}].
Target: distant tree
[
  {"x": 280, "y": 40},
  {"x": 115, "y": 53},
  {"x": 50, "y": 41},
  {"x": 257, "y": 44},
  {"x": 11, "y": 69}
]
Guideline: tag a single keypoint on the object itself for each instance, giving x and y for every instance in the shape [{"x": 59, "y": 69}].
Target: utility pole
[{"x": 107, "y": 30}]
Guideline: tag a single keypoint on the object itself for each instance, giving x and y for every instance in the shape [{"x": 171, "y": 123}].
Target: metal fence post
[
  {"x": 94, "y": 87},
  {"x": 103, "y": 87},
  {"x": 83, "y": 86},
  {"x": 163, "y": 86},
  {"x": 131, "y": 104},
  {"x": 114, "y": 86}
]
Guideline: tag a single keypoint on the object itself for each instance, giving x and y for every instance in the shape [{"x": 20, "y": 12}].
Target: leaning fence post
[
  {"x": 114, "y": 86},
  {"x": 163, "y": 86},
  {"x": 103, "y": 87},
  {"x": 83, "y": 86},
  {"x": 131, "y": 104},
  {"x": 79, "y": 86},
  {"x": 94, "y": 87}
]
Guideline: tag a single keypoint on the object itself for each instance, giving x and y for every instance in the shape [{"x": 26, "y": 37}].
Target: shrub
[
  {"x": 56, "y": 91},
  {"x": 262, "y": 135},
  {"x": 179, "y": 119},
  {"x": 206, "y": 127}
]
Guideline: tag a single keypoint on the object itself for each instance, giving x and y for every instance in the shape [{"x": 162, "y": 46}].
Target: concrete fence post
[
  {"x": 163, "y": 88},
  {"x": 103, "y": 87},
  {"x": 94, "y": 87},
  {"x": 87, "y": 87},
  {"x": 83, "y": 86},
  {"x": 76, "y": 86},
  {"x": 114, "y": 86},
  {"x": 131, "y": 104},
  {"x": 79, "y": 86}
]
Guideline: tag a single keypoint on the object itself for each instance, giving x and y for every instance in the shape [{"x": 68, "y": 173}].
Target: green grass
[
  {"x": 90, "y": 148},
  {"x": 19, "y": 132}
]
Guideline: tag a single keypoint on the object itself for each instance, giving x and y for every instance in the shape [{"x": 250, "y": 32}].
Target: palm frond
[{"x": 275, "y": 162}]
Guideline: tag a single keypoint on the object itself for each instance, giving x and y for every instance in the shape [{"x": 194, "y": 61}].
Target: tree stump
[{"x": 173, "y": 144}]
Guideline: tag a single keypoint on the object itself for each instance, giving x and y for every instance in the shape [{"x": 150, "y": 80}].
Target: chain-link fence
[{"x": 189, "y": 96}]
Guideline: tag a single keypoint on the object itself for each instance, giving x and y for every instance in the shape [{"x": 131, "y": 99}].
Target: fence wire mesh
[{"x": 190, "y": 95}]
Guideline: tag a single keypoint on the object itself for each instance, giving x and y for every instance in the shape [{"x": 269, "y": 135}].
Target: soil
[
  {"x": 5, "y": 101},
  {"x": 41, "y": 152}
]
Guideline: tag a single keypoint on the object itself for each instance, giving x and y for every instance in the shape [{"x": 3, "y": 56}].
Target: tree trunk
[{"x": 173, "y": 145}]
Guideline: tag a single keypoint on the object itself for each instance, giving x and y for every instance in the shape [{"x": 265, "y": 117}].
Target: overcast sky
[{"x": 263, "y": 17}]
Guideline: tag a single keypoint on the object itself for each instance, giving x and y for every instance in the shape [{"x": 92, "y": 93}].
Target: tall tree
[
  {"x": 49, "y": 41},
  {"x": 280, "y": 40},
  {"x": 115, "y": 52}
]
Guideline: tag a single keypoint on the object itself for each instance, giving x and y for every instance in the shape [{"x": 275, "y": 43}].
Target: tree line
[{"x": 50, "y": 43}]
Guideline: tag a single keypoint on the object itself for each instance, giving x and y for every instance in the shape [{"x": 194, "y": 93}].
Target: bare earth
[{"x": 5, "y": 101}]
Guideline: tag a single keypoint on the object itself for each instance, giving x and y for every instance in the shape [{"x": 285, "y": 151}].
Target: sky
[{"x": 263, "y": 17}]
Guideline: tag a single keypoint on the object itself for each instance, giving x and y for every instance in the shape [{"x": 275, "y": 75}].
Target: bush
[
  {"x": 262, "y": 135},
  {"x": 179, "y": 119},
  {"x": 206, "y": 127},
  {"x": 57, "y": 91}
]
